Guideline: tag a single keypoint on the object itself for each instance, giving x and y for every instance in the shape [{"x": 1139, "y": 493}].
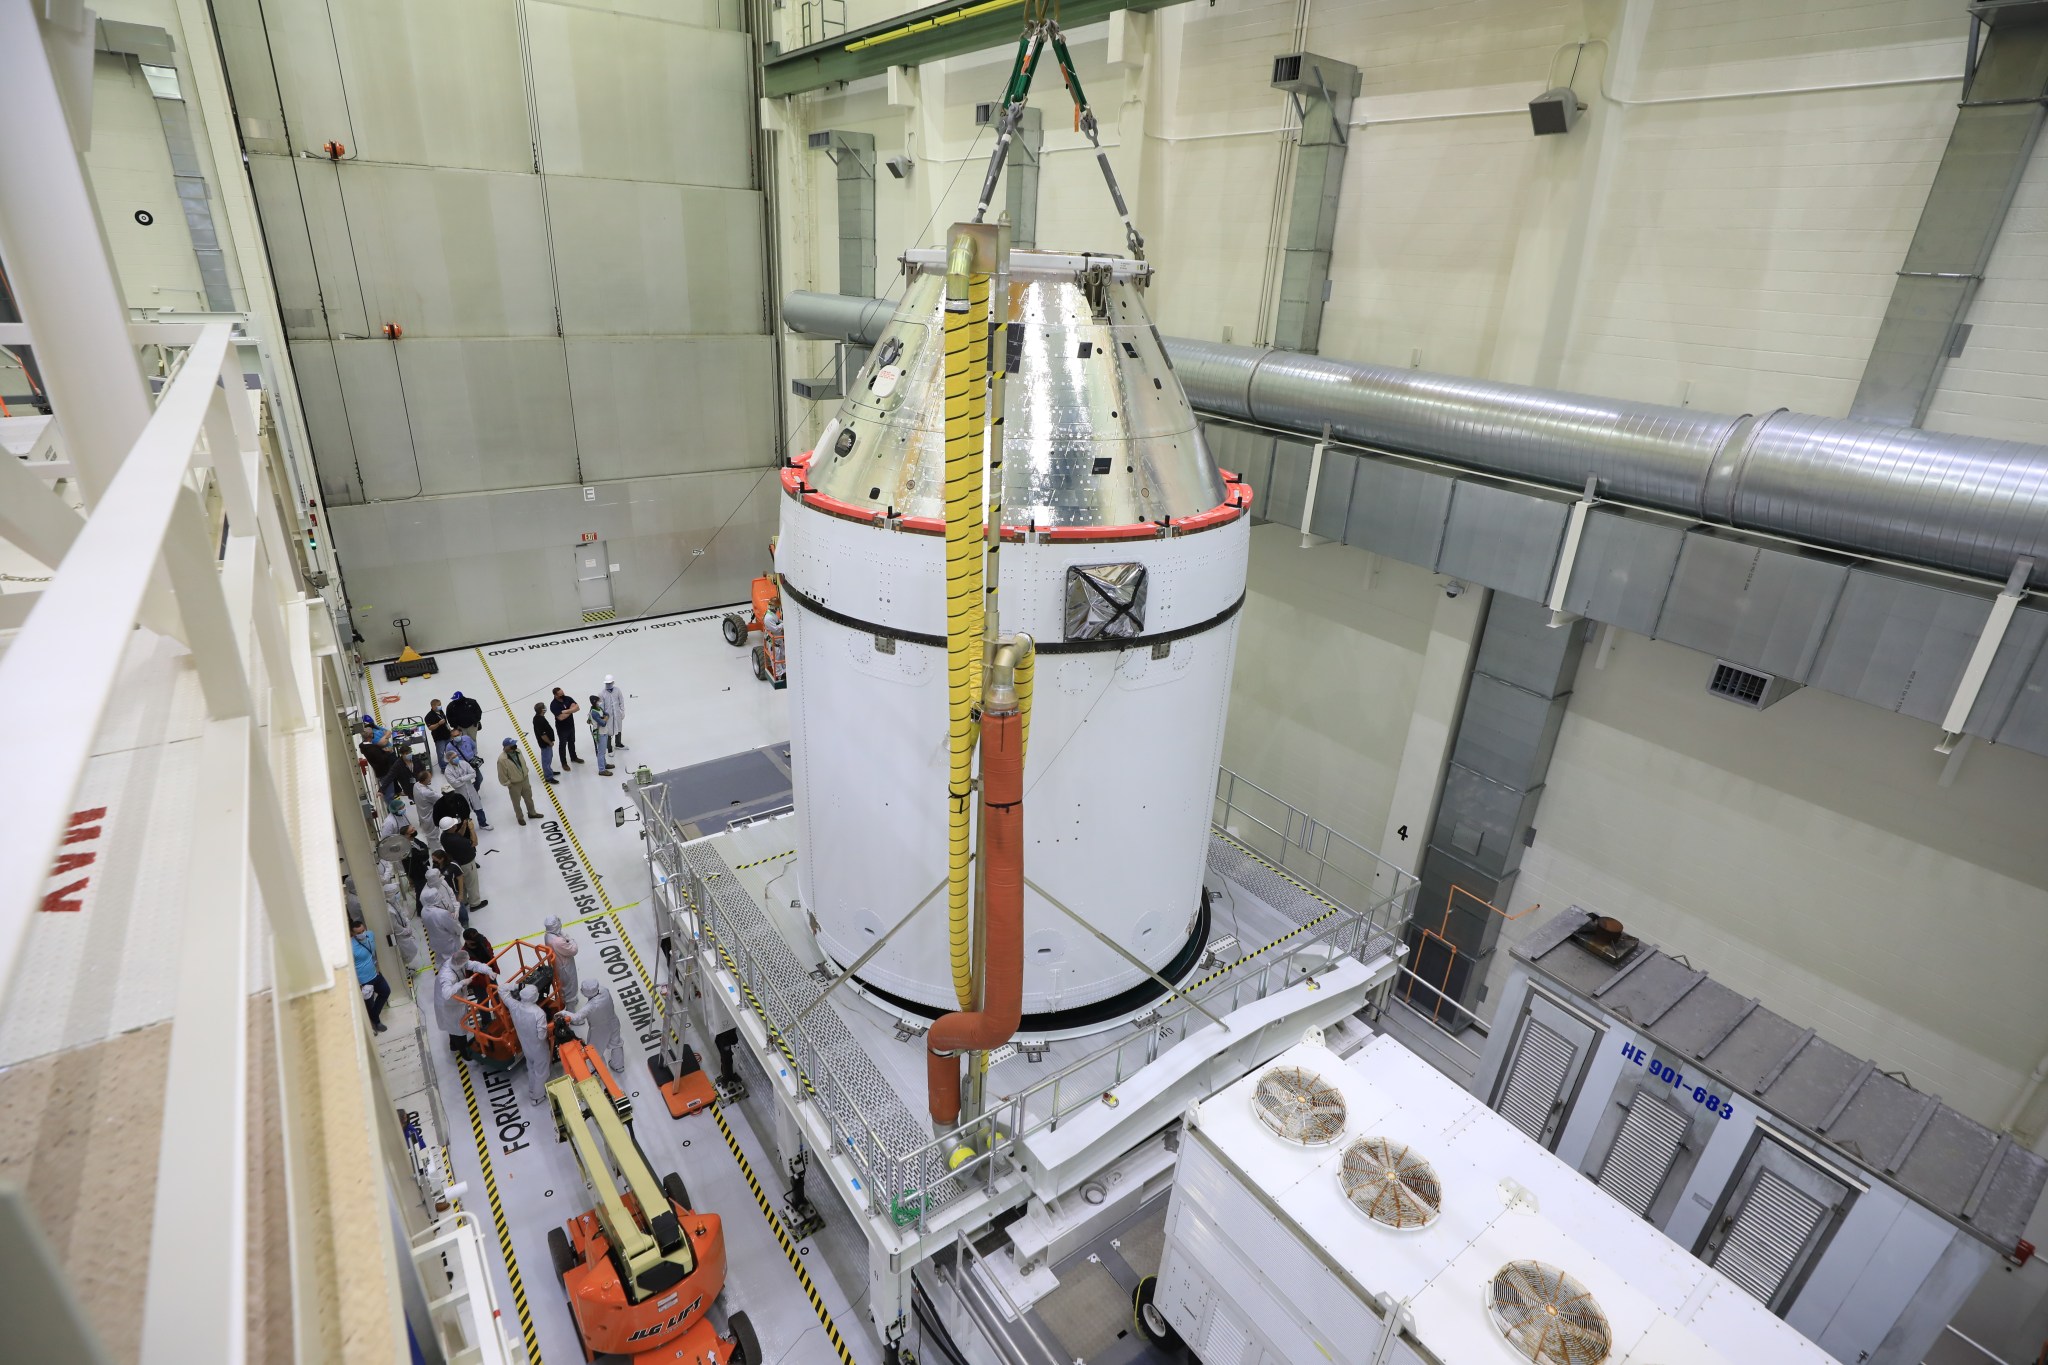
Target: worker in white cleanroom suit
[
  {"x": 456, "y": 969},
  {"x": 444, "y": 930},
  {"x": 600, "y": 1018},
  {"x": 615, "y": 711},
  {"x": 564, "y": 949},
  {"x": 403, "y": 936},
  {"x": 532, "y": 1023}
]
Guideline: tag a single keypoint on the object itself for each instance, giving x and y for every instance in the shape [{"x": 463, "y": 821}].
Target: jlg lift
[{"x": 642, "y": 1268}]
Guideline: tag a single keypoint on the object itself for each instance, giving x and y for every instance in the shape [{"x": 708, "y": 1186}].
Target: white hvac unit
[{"x": 1419, "y": 1226}]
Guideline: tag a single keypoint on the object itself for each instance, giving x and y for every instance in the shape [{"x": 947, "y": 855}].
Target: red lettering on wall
[
  {"x": 65, "y": 898},
  {"x": 84, "y": 828}
]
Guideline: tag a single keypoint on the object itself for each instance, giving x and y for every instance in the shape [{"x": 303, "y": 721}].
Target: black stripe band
[{"x": 1099, "y": 646}]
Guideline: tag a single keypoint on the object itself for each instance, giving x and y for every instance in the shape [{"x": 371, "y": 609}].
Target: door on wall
[
  {"x": 1773, "y": 1220},
  {"x": 593, "y": 582},
  {"x": 1544, "y": 1063}
]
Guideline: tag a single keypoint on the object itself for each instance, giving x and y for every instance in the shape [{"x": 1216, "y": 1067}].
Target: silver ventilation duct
[
  {"x": 1953, "y": 502},
  {"x": 1950, "y": 502}
]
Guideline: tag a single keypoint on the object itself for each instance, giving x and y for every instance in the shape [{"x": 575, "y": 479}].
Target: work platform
[{"x": 847, "y": 1068}]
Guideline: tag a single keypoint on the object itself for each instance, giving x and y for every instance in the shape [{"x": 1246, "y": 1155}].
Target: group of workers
[
  {"x": 554, "y": 728},
  {"x": 439, "y": 869}
]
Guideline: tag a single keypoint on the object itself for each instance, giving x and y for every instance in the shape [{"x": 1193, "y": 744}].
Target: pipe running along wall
[
  {"x": 967, "y": 290},
  {"x": 1003, "y": 717},
  {"x": 1963, "y": 503}
]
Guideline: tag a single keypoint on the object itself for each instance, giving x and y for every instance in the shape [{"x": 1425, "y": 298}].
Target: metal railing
[
  {"x": 906, "y": 1180},
  {"x": 250, "y": 640},
  {"x": 462, "y": 1302}
]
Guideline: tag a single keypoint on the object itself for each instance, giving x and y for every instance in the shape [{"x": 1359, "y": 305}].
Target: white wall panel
[
  {"x": 130, "y": 168},
  {"x": 1750, "y": 247},
  {"x": 638, "y": 99},
  {"x": 291, "y": 251},
  {"x": 386, "y": 457},
  {"x": 698, "y": 13},
  {"x": 1328, "y": 659},
  {"x": 435, "y": 84},
  {"x": 477, "y": 567},
  {"x": 1434, "y": 210},
  {"x": 1702, "y": 46},
  {"x": 319, "y": 207},
  {"x": 664, "y": 405},
  {"x": 449, "y": 252},
  {"x": 638, "y": 258},
  {"x": 327, "y": 421},
  {"x": 487, "y": 414}
]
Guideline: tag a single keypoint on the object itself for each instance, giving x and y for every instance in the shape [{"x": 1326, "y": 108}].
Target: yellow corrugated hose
[{"x": 966, "y": 413}]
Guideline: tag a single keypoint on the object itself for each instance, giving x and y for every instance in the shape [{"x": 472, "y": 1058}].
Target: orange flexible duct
[{"x": 1002, "y": 854}]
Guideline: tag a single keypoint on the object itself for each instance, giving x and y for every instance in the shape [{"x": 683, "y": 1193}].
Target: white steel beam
[
  {"x": 57, "y": 263},
  {"x": 195, "y": 1294},
  {"x": 1315, "y": 476},
  {"x": 1574, "y": 530},
  {"x": 32, "y": 517},
  {"x": 82, "y": 626},
  {"x": 1988, "y": 640}
]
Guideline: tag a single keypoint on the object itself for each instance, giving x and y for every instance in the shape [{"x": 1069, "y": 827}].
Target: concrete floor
[{"x": 690, "y": 698}]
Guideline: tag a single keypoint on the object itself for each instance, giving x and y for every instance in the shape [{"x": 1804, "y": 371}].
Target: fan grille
[
  {"x": 1547, "y": 1315},
  {"x": 1299, "y": 1106},
  {"x": 1390, "y": 1184}
]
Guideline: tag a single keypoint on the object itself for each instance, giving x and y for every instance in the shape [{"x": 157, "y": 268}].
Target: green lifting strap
[{"x": 1066, "y": 58}]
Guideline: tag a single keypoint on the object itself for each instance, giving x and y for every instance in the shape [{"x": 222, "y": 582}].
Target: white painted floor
[{"x": 690, "y": 697}]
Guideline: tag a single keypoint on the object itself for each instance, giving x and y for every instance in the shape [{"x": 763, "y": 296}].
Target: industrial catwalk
[{"x": 690, "y": 697}]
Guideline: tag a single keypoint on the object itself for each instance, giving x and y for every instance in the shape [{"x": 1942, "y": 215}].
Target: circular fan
[
  {"x": 1547, "y": 1315},
  {"x": 1390, "y": 1184},
  {"x": 1299, "y": 1106}
]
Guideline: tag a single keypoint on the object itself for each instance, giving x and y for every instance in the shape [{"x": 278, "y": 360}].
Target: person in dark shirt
[
  {"x": 449, "y": 803},
  {"x": 464, "y": 715},
  {"x": 564, "y": 708},
  {"x": 385, "y": 766},
  {"x": 458, "y": 841},
  {"x": 437, "y": 728},
  {"x": 544, "y": 735},
  {"x": 417, "y": 859}
]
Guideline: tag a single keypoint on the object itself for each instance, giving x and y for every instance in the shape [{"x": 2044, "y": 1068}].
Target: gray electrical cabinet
[{"x": 1858, "y": 1209}]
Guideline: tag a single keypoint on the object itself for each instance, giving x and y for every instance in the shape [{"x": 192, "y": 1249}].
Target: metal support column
[
  {"x": 1500, "y": 756},
  {"x": 1988, "y": 150},
  {"x": 1322, "y": 90},
  {"x": 854, "y": 155}
]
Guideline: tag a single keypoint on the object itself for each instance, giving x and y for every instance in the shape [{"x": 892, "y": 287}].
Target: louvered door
[
  {"x": 1778, "y": 1215},
  {"x": 1644, "y": 1150},
  {"x": 1542, "y": 1072}
]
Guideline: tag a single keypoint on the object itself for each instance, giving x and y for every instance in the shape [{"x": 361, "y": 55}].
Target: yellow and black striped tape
[
  {"x": 775, "y": 1225},
  {"x": 483, "y": 1154},
  {"x": 803, "y": 1277},
  {"x": 773, "y": 857}
]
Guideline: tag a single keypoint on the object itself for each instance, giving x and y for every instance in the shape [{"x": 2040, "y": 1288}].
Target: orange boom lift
[{"x": 642, "y": 1268}]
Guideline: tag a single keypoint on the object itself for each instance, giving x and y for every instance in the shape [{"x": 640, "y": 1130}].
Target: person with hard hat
[{"x": 512, "y": 774}]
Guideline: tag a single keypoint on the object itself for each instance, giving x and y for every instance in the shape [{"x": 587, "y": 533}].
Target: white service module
[{"x": 1459, "y": 1241}]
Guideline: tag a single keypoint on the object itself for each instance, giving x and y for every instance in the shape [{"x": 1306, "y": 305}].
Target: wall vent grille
[
  {"x": 1743, "y": 686},
  {"x": 1287, "y": 68}
]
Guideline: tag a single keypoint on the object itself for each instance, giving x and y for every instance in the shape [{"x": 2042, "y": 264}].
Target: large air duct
[{"x": 1952, "y": 502}]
